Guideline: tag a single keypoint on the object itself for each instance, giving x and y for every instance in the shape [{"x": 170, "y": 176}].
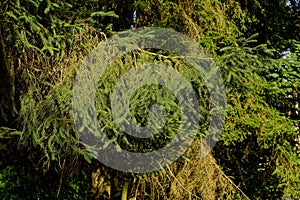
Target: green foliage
[
  {"x": 204, "y": 21},
  {"x": 17, "y": 182},
  {"x": 46, "y": 25},
  {"x": 258, "y": 140},
  {"x": 153, "y": 94},
  {"x": 275, "y": 21},
  {"x": 43, "y": 43},
  {"x": 46, "y": 116},
  {"x": 283, "y": 77},
  {"x": 13, "y": 184}
]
